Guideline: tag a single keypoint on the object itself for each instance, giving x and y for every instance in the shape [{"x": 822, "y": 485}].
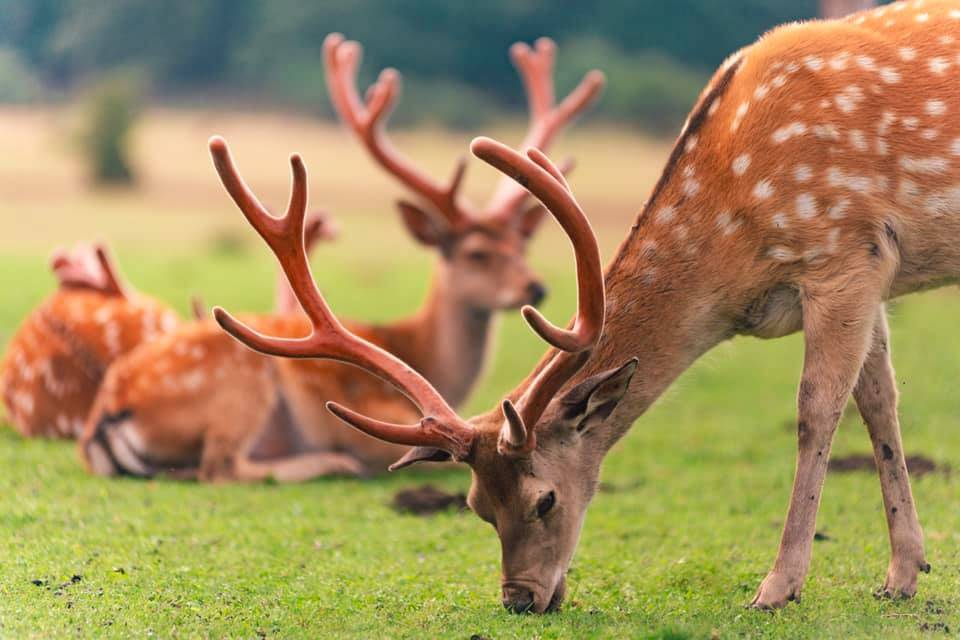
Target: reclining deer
[
  {"x": 816, "y": 178},
  {"x": 57, "y": 358},
  {"x": 229, "y": 414}
]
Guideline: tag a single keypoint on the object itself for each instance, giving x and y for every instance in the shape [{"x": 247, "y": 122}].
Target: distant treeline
[{"x": 453, "y": 55}]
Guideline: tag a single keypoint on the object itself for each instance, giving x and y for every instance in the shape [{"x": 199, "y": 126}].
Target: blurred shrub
[
  {"x": 17, "y": 84},
  {"x": 449, "y": 104},
  {"x": 229, "y": 242},
  {"x": 645, "y": 89},
  {"x": 110, "y": 112}
]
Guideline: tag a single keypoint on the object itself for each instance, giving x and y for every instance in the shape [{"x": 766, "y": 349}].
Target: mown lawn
[{"x": 685, "y": 528}]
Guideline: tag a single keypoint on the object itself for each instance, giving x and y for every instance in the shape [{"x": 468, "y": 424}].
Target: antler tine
[
  {"x": 319, "y": 227},
  {"x": 547, "y": 118},
  {"x": 367, "y": 119},
  {"x": 329, "y": 339},
  {"x": 546, "y": 182}
]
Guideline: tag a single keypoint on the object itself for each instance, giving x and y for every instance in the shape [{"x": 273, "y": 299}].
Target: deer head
[
  {"x": 88, "y": 267},
  {"x": 535, "y": 459},
  {"x": 482, "y": 249}
]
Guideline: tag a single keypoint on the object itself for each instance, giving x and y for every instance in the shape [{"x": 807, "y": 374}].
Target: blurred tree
[
  {"x": 840, "y": 8},
  {"x": 109, "y": 115},
  {"x": 270, "y": 49}
]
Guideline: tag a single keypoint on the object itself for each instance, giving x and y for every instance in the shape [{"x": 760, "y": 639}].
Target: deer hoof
[
  {"x": 901, "y": 582},
  {"x": 775, "y": 592}
]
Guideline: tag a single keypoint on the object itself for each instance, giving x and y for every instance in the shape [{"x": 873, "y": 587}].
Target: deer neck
[
  {"x": 446, "y": 340},
  {"x": 664, "y": 308}
]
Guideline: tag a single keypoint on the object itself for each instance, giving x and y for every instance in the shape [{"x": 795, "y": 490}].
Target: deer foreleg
[
  {"x": 876, "y": 397},
  {"x": 838, "y": 323}
]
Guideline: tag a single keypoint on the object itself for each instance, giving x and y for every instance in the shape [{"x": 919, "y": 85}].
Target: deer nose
[
  {"x": 517, "y": 599},
  {"x": 536, "y": 292}
]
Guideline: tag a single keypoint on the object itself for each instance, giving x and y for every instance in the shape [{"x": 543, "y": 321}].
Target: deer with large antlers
[
  {"x": 816, "y": 178},
  {"x": 244, "y": 418}
]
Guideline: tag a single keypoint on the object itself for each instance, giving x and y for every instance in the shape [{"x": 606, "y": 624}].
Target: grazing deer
[
  {"x": 817, "y": 177},
  {"x": 198, "y": 403}
]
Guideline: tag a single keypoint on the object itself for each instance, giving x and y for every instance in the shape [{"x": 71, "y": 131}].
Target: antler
[
  {"x": 319, "y": 227},
  {"x": 81, "y": 269},
  {"x": 546, "y": 182},
  {"x": 329, "y": 339},
  {"x": 547, "y": 118},
  {"x": 368, "y": 118}
]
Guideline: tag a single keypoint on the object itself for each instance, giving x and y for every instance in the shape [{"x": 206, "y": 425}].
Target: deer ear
[
  {"x": 421, "y": 454},
  {"x": 428, "y": 229},
  {"x": 530, "y": 219},
  {"x": 593, "y": 400}
]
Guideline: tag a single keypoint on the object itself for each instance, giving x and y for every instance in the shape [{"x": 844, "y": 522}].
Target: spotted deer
[
  {"x": 198, "y": 403},
  {"x": 56, "y": 359},
  {"x": 817, "y": 177}
]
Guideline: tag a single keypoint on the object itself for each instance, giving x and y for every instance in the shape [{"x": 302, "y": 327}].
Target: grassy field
[{"x": 693, "y": 499}]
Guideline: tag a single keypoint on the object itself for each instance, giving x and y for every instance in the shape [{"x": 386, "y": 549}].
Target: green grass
[{"x": 673, "y": 549}]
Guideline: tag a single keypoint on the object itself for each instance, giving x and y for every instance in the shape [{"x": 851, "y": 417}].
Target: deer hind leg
[
  {"x": 838, "y": 319},
  {"x": 233, "y": 448},
  {"x": 300, "y": 467},
  {"x": 876, "y": 397},
  {"x": 116, "y": 448}
]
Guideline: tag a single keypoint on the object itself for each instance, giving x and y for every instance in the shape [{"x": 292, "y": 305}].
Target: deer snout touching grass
[{"x": 817, "y": 177}]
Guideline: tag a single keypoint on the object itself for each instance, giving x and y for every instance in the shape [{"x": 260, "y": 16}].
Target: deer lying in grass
[
  {"x": 817, "y": 177},
  {"x": 57, "y": 358},
  {"x": 228, "y": 414}
]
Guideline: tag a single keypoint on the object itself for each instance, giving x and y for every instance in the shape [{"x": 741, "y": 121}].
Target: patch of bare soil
[
  {"x": 917, "y": 464},
  {"x": 426, "y": 500}
]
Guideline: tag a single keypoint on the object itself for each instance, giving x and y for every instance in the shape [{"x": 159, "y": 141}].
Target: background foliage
[{"x": 452, "y": 54}]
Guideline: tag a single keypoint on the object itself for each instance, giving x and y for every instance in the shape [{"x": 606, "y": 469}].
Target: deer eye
[{"x": 546, "y": 503}]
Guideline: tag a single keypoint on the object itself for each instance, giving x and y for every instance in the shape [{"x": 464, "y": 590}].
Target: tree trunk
[{"x": 840, "y": 8}]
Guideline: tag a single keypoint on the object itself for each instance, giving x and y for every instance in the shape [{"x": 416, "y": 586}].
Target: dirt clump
[{"x": 426, "y": 500}]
